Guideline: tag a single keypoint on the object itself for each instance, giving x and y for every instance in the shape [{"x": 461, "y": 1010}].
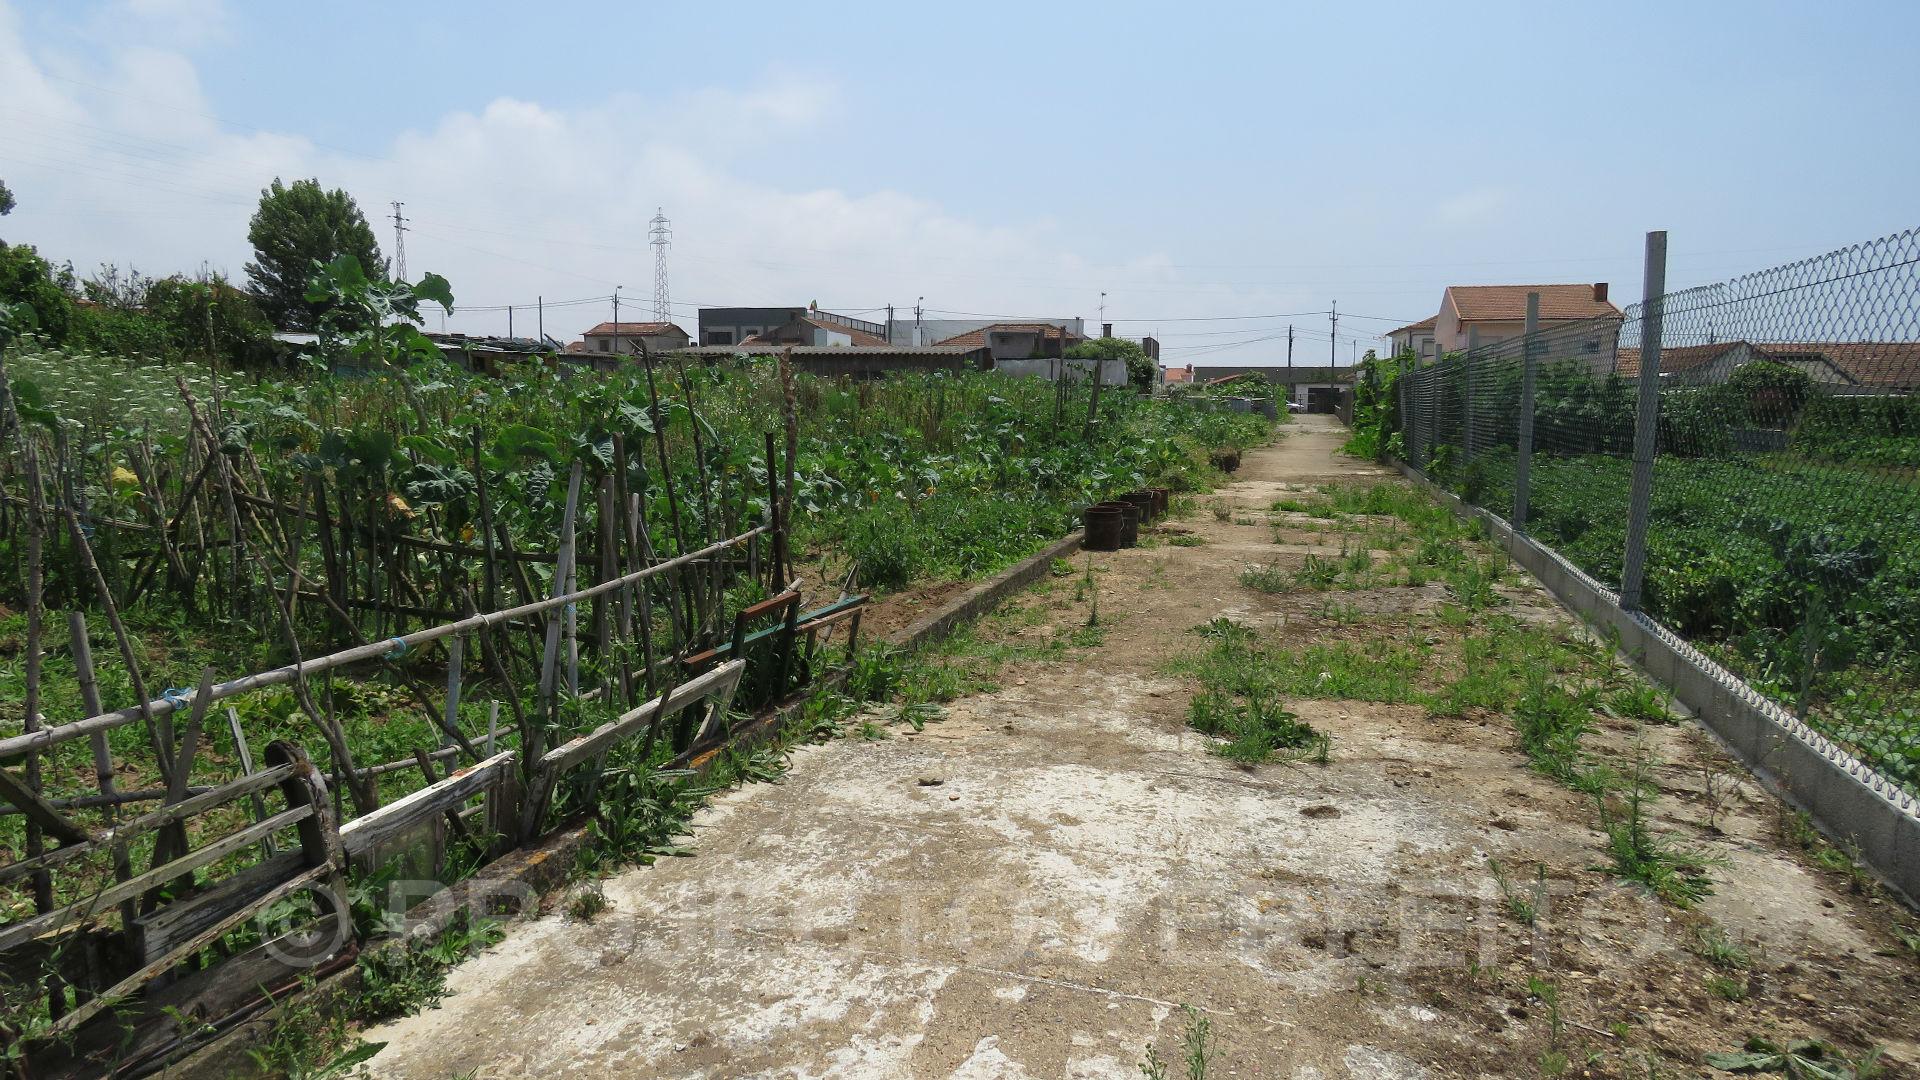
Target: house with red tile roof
[
  {"x": 1472, "y": 316},
  {"x": 1416, "y": 338},
  {"x": 626, "y": 337},
  {"x": 1843, "y": 366}
]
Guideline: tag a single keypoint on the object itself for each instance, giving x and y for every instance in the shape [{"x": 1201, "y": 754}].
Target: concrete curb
[
  {"x": 503, "y": 885},
  {"x": 969, "y": 605},
  {"x": 927, "y": 630},
  {"x": 1855, "y": 807}
]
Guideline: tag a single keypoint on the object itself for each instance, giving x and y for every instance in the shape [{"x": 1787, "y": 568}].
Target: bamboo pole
[
  {"x": 20, "y": 744},
  {"x": 102, "y": 756},
  {"x": 545, "y": 707}
]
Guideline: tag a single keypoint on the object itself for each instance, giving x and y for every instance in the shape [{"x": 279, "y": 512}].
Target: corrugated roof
[{"x": 1508, "y": 303}]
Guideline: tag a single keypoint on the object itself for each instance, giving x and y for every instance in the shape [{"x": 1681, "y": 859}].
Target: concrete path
[{"x": 1035, "y": 885}]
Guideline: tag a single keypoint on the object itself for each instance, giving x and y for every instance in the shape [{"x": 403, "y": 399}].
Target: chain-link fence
[{"x": 1782, "y": 523}]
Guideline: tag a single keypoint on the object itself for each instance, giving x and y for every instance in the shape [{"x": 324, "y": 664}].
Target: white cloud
[{"x": 510, "y": 201}]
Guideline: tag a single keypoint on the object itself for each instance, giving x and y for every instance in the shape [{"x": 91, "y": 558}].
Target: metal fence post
[
  {"x": 1466, "y": 408},
  {"x": 1646, "y": 422},
  {"x": 1523, "y": 453}
]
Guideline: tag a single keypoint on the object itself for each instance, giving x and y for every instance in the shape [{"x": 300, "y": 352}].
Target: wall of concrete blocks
[{"x": 1854, "y": 806}]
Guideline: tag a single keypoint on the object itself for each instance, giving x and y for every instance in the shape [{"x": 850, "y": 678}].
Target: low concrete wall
[
  {"x": 509, "y": 884},
  {"x": 1849, "y": 802},
  {"x": 976, "y": 601}
]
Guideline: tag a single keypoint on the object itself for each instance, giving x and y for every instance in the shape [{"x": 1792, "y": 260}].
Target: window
[
  {"x": 605, "y": 345},
  {"x": 719, "y": 337}
]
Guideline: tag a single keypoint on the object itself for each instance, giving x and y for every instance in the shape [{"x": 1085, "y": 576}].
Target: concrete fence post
[
  {"x": 1646, "y": 422},
  {"x": 1523, "y": 453}
]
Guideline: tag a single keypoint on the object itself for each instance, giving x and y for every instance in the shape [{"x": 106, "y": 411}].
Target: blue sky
[{"x": 1192, "y": 162}]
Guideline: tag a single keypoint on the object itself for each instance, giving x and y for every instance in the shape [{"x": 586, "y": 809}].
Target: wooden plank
[
  {"x": 312, "y": 876},
  {"x": 240, "y": 747},
  {"x": 146, "y": 823},
  {"x": 456, "y": 655},
  {"x": 366, "y": 833},
  {"x": 158, "y": 933},
  {"x": 718, "y": 680},
  {"x": 546, "y": 775},
  {"x": 113, "y": 894},
  {"x": 39, "y": 811}
]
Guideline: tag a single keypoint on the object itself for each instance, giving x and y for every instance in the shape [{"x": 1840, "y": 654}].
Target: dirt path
[{"x": 1034, "y": 885}]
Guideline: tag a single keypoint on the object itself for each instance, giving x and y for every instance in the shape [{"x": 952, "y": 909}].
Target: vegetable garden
[
  {"x": 1783, "y": 534},
  {"x": 451, "y": 582}
]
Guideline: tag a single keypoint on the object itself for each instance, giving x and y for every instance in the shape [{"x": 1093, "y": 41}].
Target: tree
[
  {"x": 27, "y": 279},
  {"x": 6, "y": 199},
  {"x": 297, "y": 228},
  {"x": 1139, "y": 368}
]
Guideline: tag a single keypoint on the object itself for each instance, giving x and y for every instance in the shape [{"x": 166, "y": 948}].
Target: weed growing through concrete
[
  {"x": 1315, "y": 572},
  {"x": 1552, "y": 720},
  {"x": 586, "y": 899},
  {"x": 1641, "y": 701},
  {"x": 1553, "y": 1061},
  {"x": 1727, "y": 987},
  {"x": 1714, "y": 946},
  {"x": 1240, "y": 703},
  {"x": 1799, "y": 829},
  {"x": 1671, "y": 872},
  {"x": 1196, "y": 1049},
  {"x": 1267, "y": 579},
  {"x": 1797, "y": 1058},
  {"x": 1524, "y": 902}
]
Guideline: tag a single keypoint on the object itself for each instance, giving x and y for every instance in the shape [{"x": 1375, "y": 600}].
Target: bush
[{"x": 1870, "y": 430}]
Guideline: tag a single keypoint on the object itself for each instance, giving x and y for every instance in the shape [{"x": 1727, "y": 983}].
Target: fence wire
[{"x": 1783, "y": 534}]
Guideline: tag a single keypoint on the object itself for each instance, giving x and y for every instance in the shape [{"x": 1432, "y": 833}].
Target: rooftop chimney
[{"x": 1599, "y": 292}]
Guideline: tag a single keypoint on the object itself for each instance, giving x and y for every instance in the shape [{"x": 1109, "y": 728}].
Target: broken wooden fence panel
[
  {"x": 371, "y": 832},
  {"x": 716, "y": 686}
]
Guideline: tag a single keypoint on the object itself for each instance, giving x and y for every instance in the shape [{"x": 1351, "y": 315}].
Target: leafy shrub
[{"x": 1869, "y": 430}]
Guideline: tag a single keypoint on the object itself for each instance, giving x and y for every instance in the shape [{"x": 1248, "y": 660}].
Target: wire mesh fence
[{"x": 1782, "y": 532}]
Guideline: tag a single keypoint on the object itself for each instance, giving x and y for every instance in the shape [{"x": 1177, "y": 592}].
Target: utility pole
[
  {"x": 890, "y": 324},
  {"x": 509, "y": 320},
  {"x": 1335, "y": 312},
  {"x": 540, "y": 315},
  {"x": 1289, "y": 346},
  {"x": 616, "y": 317},
  {"x": 916, "y": 320},
  {"x": 399, "y": 242},
  {"x": 1103, "y": 309}
]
